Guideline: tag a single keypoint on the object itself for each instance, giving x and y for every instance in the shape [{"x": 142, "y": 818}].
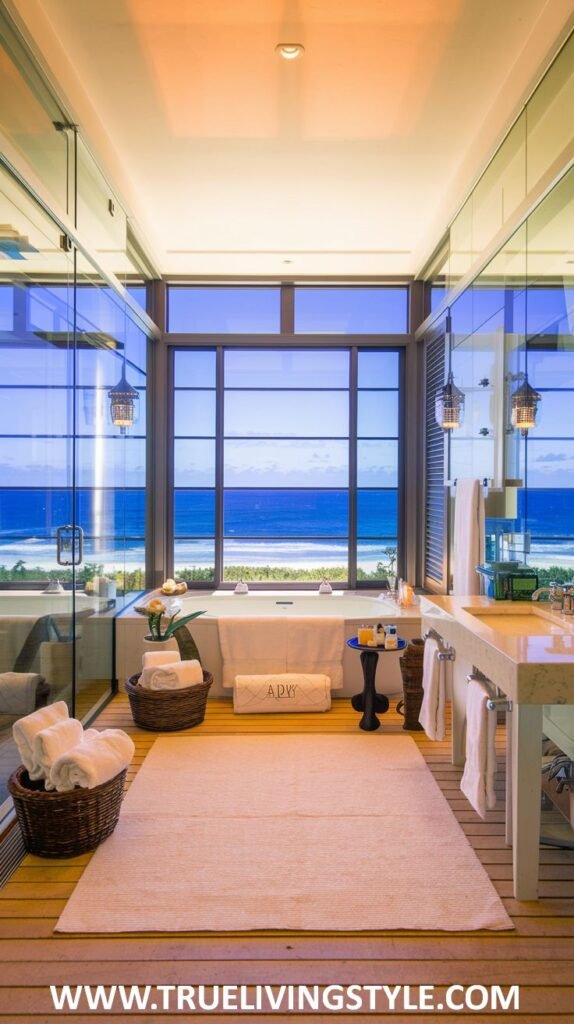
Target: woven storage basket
[
  {"x": 412, "y": 672},
  {"x": 168, "y": 710},
  {"x": 65, "y": 824}
]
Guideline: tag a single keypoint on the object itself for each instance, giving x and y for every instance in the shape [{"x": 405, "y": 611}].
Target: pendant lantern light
[
  {"x": 449, "y": 400},
  {"x": 124, "y": 401},
  {"x": 524, "y": 402}
]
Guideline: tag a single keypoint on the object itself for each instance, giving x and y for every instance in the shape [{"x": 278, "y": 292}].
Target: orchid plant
[{"x": 157, "y": 610}]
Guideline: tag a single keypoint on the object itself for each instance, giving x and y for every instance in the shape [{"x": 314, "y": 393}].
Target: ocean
[{"x": 311, "y": 525}]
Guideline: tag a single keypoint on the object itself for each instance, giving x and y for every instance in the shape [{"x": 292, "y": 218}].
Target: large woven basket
[
  {"x": 65, "y": 824},
  {"x": 168, "y": 710},
  {"x": 412, "y": 672}
]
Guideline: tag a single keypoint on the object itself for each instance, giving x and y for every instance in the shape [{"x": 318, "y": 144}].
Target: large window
[{"x": 286, "y": 463}]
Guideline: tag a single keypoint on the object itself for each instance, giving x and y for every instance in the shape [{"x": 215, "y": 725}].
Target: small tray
[{"x": 354, "y": 643}]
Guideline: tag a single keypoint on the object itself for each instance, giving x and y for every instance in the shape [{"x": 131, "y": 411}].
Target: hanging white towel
[
  {"x": 25, "y": 730},
  {"x": 51, "y": 743},
  {"x": 316, "y": 645},
  {"x": 252, "y": 645},
  {"x": 432, "y": 712},
  {"x": 272, "y": 645},
  {"x": 99, "y": 757},
  {"x": 477, "y": 782},
  {"x": 152, "y": 659},
  {"x": 174, "y": 676},
  {"x": 289, "y": 691},
  {"x": 468, "y": 543},
  {"x": 18, "y": 692}
]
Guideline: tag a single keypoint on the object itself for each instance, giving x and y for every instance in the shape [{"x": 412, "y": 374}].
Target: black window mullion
[
  {"x": 219, "y": 464},
  {"x": 353, "y": 411}
]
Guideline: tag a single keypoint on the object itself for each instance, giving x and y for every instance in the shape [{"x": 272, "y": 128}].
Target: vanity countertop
[{"x": 527, "y": 649}]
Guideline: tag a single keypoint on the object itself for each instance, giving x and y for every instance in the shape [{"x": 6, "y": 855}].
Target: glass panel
[
  {"x": 194, "y": 560},
  {"x": 548, "y": 111},
  {"x": 377, "y": 464},
  {"x": 223, "y": 310},
  {"x": 283, "y": 561},
  {"x": 351, "y": 310},
  {"x": 289, "y": 513},
  {"x": 377, "y": 513},
  {"x": 548, "y": 512},
  {"x": 281, "y": 463},
  {"x": 194, "y": 463},
  {"x": 287, "y": 368},
  {"x": 555, "y": 414},
  {"x": 94, "y": 416},
  {"x": 377, "y": 559},
  {"x": 194, "y": 413},
  {"x": 501, "y": 188},
  {"x": 286, "y": 413},
  {"x": 194, "y": 513},
  {"x": 100, "y": 217},
  {"x": 378, "y": 414},
  {"x": 194, "y": 369},
  {"x": 378, "y": 369},
  {"x": 550, "y": 464}
]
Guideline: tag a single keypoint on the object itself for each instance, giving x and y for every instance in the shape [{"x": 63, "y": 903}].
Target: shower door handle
[{"x": 69, "y": 545}]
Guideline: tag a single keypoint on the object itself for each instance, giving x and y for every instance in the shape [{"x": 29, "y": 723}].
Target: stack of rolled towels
[
  {"x": 57, "y": 749},
  {"x": 164, "y": 670}
]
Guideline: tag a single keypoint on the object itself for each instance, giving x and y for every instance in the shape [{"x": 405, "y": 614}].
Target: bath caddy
[
  {"x": 65, "y": 824},
  {"x": 168, "y": 710}
]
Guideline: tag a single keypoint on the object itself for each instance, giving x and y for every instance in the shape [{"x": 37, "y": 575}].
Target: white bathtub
[{"x": 355, "y": 608}]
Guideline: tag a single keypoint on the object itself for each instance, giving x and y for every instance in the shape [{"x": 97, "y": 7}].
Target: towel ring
[
  {"x": 493, "y": 703},
  {"x": 445, "y": 651}
]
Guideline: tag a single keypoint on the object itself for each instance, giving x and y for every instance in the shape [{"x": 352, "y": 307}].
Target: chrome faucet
[{"x": 560, "y": 596}]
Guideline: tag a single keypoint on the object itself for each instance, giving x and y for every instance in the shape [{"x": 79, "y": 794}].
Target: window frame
[{"x": 219, "y": 343}]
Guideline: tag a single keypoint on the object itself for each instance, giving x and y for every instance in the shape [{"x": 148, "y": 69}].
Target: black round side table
[{"x": 369, "y": 701}]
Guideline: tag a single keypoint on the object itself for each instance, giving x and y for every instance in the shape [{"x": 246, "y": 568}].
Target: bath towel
[
  {"x": 25, "y": 730},
  {"x": 270, "y": 645},
  {"x": 468, "y": 544},
  {"x": 288, "y": 691},
  {"x": 152, "y": 659},
  {"x": 316, "y": 645},
  {"x": 477, "y": 782},
  {"x": 99, "y": 757},
  {"x": 18, "y": 692},
  {"x": 174, "y": 676},
  {"x": 250, "y": 645},
  {"x": 432, "y": 712},
  {"x": 51, "y": 743}
]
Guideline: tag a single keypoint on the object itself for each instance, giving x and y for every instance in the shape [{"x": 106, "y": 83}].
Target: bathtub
[{"x": 355, "y": 608}]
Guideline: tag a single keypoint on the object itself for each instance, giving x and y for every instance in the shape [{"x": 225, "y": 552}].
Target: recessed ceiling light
[{"x": 290, "y": 51}]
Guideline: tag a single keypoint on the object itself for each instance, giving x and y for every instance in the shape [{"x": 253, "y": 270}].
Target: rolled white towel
[
  {"x": 176, "y": 676},
  {"x": 51, "y": 743},
  {"x": 152, "y": 659},
  {"x": 25, "y": 729},
  {"x": 18, "y": 692},
  {"x": 99, "y": 757}
]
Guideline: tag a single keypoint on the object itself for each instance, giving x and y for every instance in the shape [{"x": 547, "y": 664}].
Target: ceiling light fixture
[{"x": 290, "y": 51}]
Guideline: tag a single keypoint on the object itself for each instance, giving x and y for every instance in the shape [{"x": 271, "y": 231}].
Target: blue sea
[{"x": 114, "y": 525}]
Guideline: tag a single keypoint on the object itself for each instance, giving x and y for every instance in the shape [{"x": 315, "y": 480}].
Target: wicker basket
[
  {"x": 412, "y": 672},
  {"x": 65, "y": 824},
  {"x": 168, "y": 710}
]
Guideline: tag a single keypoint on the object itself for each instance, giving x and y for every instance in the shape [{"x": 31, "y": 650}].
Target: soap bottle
[{"x": 391, "y": 639}]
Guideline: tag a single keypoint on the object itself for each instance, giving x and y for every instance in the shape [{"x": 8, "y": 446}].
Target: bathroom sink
[{"x": 522, "y": 622}]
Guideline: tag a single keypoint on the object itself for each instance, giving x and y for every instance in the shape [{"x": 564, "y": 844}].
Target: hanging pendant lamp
[
  {"x": 449, "y": 400},
  {"x": 124, "y": 401},
  {"x": 524, "y": 402}
]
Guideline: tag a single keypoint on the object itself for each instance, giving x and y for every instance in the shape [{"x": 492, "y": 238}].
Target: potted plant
[
  {"x": 158, "y": 612},
  {"x": 169, "y": 710}
]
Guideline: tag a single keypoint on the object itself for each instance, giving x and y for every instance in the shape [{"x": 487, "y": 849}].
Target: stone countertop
[{"x": 530, "y": 668}]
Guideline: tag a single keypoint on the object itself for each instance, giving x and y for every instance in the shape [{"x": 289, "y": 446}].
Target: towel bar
[
  {"x": 493, "y": 703},
  {"x": 445, "y": 652}
]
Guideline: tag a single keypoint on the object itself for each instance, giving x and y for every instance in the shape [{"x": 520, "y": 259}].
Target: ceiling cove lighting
[
  {"x": 123, "y": 403},
  {"x": 449, "y": 400},
  {"x": 524, "y": 402},
  {"x": 290, "y": 51}
]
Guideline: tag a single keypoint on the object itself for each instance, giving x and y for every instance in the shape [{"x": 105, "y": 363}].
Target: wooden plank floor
[{"x": 538, "y": 955}]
